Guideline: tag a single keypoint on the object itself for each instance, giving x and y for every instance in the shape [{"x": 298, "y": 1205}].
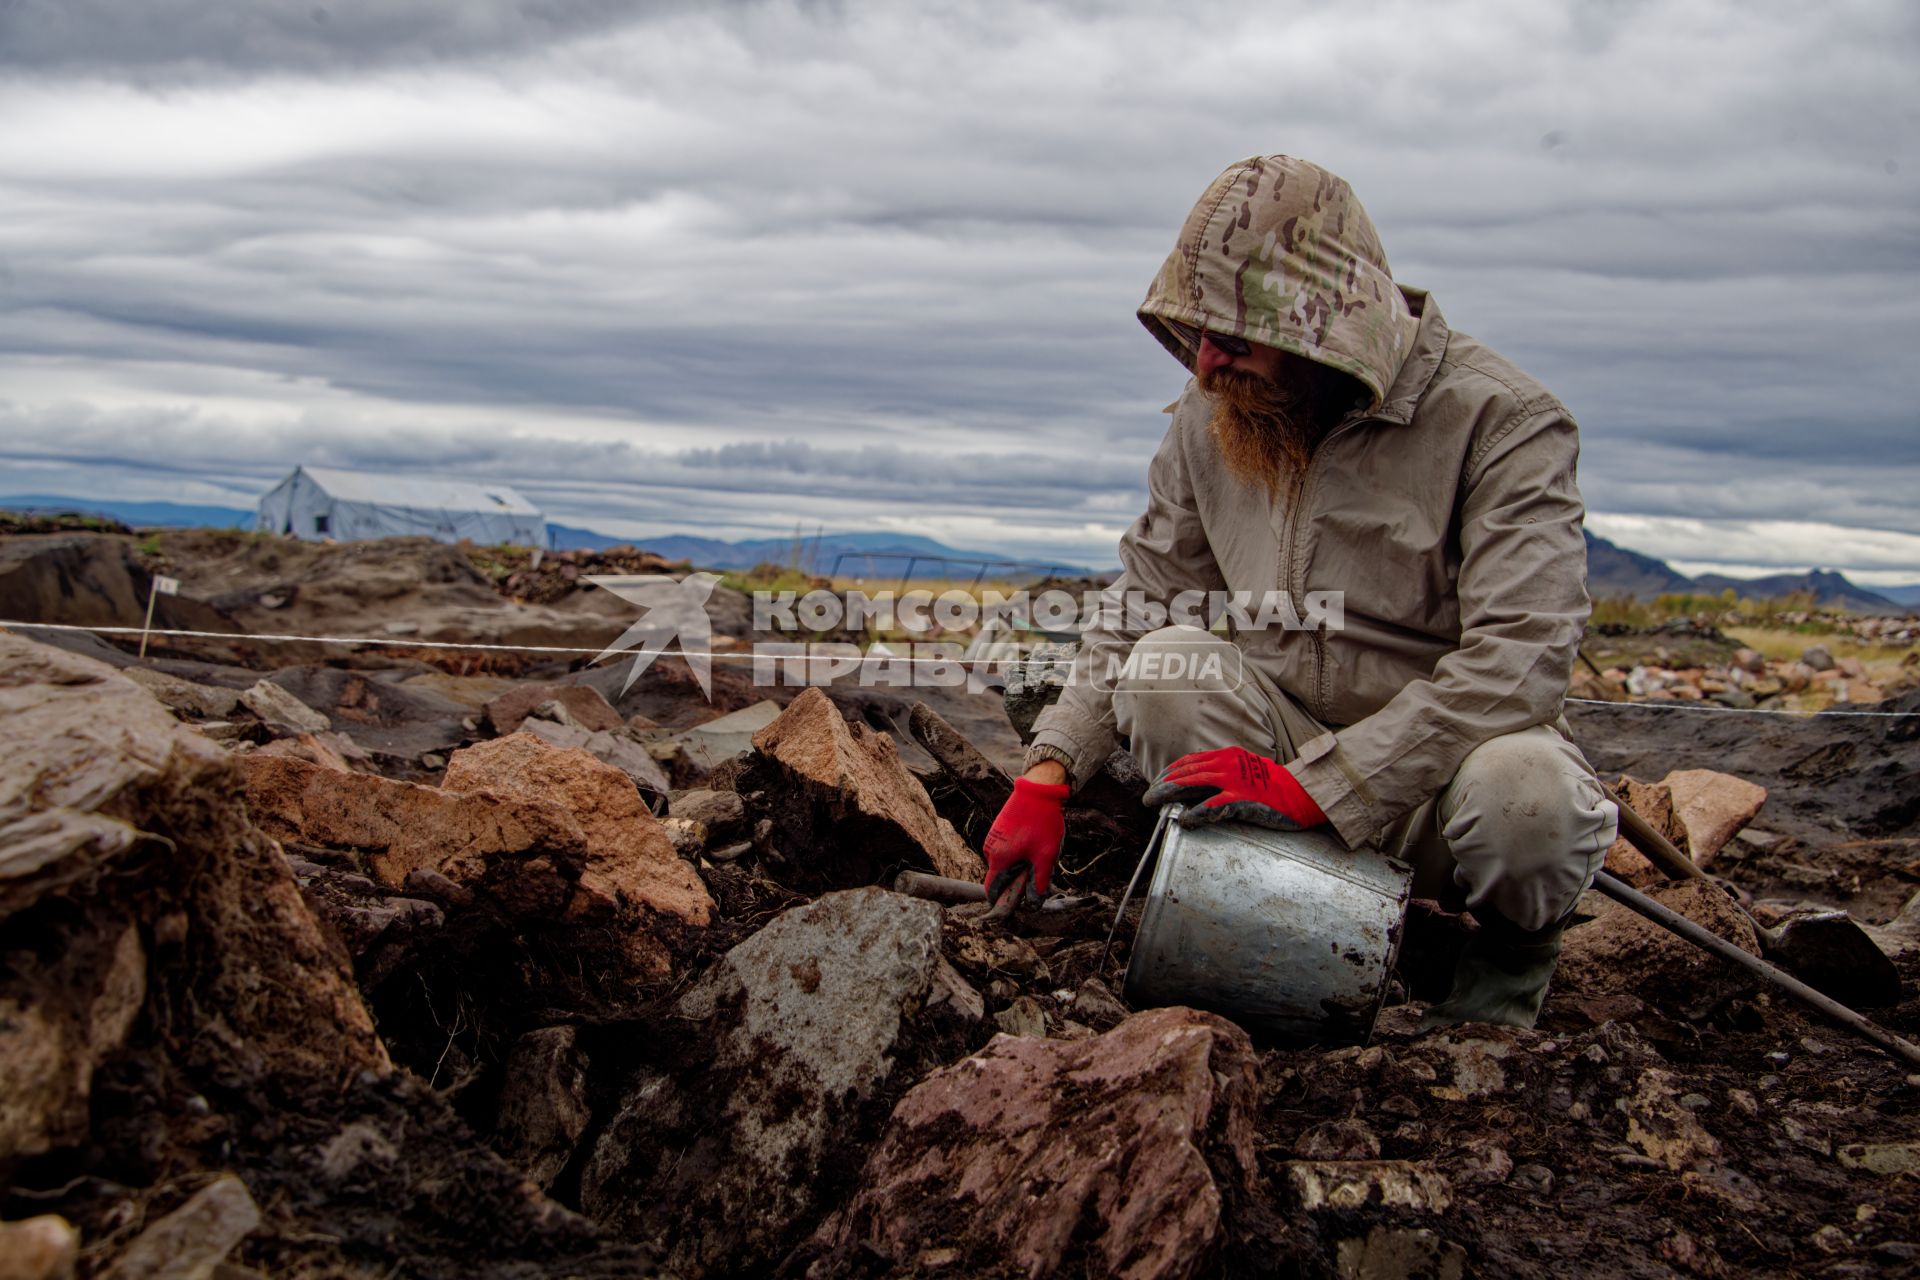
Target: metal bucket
[{"x": 1288, "y": 933}]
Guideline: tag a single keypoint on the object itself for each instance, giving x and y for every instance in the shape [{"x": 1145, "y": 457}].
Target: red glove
[
  {"x": 1027, "y": 833},
  {"x": 1244, "y": 788}
]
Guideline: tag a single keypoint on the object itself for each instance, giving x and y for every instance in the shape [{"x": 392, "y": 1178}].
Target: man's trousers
[{"x": 1522, "y": 827}]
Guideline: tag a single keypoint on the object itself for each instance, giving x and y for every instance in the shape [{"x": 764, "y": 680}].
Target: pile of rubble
[
  {"x": 356, "y": 970},
  {"x": 1747, "y": 679},
  {"x": 529, "y": 575},
  {"x": 346, "y": 964}
]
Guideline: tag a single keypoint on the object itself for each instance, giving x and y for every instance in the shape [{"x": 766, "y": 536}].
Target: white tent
[{"x": 319, "y": 502}]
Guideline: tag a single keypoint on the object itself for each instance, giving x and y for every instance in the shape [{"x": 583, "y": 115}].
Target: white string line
[{"x": 403, "y": 642}]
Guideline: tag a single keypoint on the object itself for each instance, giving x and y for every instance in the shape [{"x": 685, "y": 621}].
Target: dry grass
[{"x": 1783, "y": 644}]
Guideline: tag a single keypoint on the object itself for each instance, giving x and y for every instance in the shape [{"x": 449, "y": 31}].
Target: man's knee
[
  {"x": 1176, "y": 658},
  {"x": 1528, "y": 824}
]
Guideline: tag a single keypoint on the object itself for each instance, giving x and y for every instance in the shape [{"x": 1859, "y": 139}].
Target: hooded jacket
[{"x": 1444, "y": 509}]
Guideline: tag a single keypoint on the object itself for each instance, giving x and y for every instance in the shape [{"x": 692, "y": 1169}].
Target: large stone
[
  {"x": 1119, "y": 1155},
  {"x": 207, "y": 702},
  {"x": 118, "y": 825},
  {"x": 628, "y": 853},
  {"x": 272, "y": 703},
  {"x": 190, "y": 1242},
  {"x": 805, "y": 1020},
  {"x": 616, "y": 748},
  {"x": 1618, "y": 952},
  {"x": 719, "y": 739},
  {"x": 42, "y": 1248},
  {"x": 1712, "y": 807},
  {"x": 542, "y": 833},
  {"x": 852, "y": 800},
  {"x": 583, "y": 702},
  {"x": 543, "y": 1103},
  {"x": 1654, "y": 802}
]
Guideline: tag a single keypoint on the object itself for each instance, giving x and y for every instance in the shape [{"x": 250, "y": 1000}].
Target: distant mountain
[
  {"x": 166, "y": 514},
  {"x": 1907, "y": 595},
  {"x": 1831, "y": 590},
  {"x": 864, "y": 555},
  {"x": 1614, "y": 571}
]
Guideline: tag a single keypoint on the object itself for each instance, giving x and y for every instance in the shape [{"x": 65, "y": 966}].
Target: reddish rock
[
  {"x": 1117, "y": 1155},
  {"x": 583, "y": 702},
  {"x": 542, "y": 832},
  {"x": 314, "y": 748},
  {"x": 1654, "y": 802},
  {"x": 628, "y": 852},
  {"x": 850, "y": 777},
  {"x": 122, "y": 830},
  {"x": 1620, "y": 953},
  {"x": 1712, "y": 808}
]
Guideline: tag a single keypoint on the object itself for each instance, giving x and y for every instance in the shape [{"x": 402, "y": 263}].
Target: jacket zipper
[{"x": 1294, "y": 575}]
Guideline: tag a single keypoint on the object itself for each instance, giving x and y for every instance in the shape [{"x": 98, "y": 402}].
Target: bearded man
[{"x": 1338, "y": 437}]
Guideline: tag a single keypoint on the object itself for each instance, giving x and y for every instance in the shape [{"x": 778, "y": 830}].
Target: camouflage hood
[{"x": 1279, "y": 252}]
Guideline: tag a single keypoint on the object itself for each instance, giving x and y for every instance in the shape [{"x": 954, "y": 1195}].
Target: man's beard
[{"x": 1267, "y": 431}]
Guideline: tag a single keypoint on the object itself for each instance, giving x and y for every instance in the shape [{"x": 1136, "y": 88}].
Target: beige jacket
[{"x": 1446, "y": 511}]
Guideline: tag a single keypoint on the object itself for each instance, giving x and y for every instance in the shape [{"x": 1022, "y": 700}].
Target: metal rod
[
  {"x": 1674, "y": 922},
  {"x": 918, "y": 884}
]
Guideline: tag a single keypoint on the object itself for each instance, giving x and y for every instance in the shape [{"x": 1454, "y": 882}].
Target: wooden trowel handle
[{"x": 1659, "y": 850}]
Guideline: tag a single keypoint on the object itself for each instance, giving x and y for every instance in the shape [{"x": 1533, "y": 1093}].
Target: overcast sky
[{"x": 724, "y": 268}]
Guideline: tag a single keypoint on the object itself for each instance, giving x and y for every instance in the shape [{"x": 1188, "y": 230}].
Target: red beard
[{"x": 1267, "y": 430}]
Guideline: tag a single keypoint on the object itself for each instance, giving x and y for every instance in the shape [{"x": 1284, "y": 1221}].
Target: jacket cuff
[
  {"x": 1082, "y": 758},
  {"x": 1325, "y": 774}
]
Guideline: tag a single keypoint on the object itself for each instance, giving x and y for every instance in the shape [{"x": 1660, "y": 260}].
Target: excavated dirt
[{"x": 1716, "y": 1131}]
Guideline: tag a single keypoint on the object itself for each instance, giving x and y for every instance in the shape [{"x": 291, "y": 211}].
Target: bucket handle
[{"x": 1167, "y": 814}]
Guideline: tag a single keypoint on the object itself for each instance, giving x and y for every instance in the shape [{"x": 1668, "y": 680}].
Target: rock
[
  {"x": 1395, "y": 1253},
  {"x": 616, "y": 749},
  {"x": 1117, "y": 1155},
  {"x": 1096, "y": 1005},
  {"x": 1751, "y": 661},
  {"x": 1817, "y": 657},
  {"x": 1619, "y": 953},
  {"x": 310, "y": 747},
  {"x": 1318, "y": 1186},
  {"x": 543, "y": 1103},
  {"x": 276, "y": 706},
  {"x": 1654, "y": 802},
  {"x": 1662, "y": 1128},
  {"x": 708, "y": 745},
  {"x": 583, "y": 703},
  {"x": 1034, "y": 684},
  {"x": 42, "y": 1248},
  {"x": 1024, "y": 1017},
  {"x": 1535, "y": 1179},
  {"x": 205, "y": 701},
  {"x": 806, "y": 1020},
  {"x": 1338, "y": 1140},
  {"x": 115, "y": 818},
  {"x": 191, "y": 1241},
  {"x": 953, "y": 996},
  {"x": 629, "y": 856},
  {"x": 689, "y": 838},
  {"x": 513, "y": 840},
  {"x": 1711, "y": 807},
  {"x": 1480, "y": 1161},
  {"x": 1881, "y": 1157},
  {"x": 850, "y": 809},
  {"x": 723, "y": 813}
]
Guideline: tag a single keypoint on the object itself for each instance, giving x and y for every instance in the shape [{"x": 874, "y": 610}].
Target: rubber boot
[{"x": 1502, "y": 975}]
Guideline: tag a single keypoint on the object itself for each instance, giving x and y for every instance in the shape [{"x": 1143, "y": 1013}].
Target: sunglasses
[{"x": 1223, "y": 343}]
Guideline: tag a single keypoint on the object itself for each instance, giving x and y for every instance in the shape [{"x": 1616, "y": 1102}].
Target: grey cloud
[
  {"x": 878, "y": 231},
  {"x": 198, "y": 38}
]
